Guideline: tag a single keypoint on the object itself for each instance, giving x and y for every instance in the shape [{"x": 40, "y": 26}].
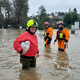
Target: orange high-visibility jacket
[
  {"x": 49, "y": 31},
  {"x": 65, "y": 33}
]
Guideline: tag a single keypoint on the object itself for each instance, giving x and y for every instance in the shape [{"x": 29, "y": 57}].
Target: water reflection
[
  {"x": 62, "y": 61},
  {"x": 47, "y": 52},
  {"x": 28, "y": 75}
]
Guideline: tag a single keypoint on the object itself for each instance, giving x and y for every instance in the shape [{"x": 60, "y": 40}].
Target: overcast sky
[{"x": 53, "y": 5}]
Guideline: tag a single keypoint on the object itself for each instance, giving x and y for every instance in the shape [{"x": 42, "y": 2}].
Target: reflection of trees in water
[{"x": 62, "y": 61}]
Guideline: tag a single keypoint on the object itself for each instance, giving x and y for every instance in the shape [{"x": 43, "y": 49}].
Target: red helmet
[
  {"x": 46, "y": 23},
  {"x": 60, "y": 22}
]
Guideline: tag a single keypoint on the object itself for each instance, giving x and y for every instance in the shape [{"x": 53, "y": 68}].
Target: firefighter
[
  {"x": 62, "y": 36},
  {"x": 27, "y": 45},
  {"x": 48, "y": 34}
]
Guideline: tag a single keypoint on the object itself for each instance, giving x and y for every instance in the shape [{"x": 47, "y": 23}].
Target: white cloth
[{"x": 25, "y": 45}]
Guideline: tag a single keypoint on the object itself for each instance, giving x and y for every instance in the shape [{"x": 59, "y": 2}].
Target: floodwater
[{"x": 51, "y": 65}]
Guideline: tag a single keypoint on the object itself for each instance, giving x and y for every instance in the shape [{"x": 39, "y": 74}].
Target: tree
[
  {"x": 60, "y": 13},
  {"x": 42, "y": 16},
  {"x": 21, "y": 10},
  {"x": 70, "y": 18},
  {"x": 6, "y": 6},
  {"x": 52, "y": 14},
  {"x": 75, "y": 10},
  {"x": 2, "y": 23},
  {"x": 67, "y": 19},
  {"x": 74, "y": 17}
]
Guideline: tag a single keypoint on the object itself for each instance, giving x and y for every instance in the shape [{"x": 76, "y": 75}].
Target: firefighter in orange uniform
[
  {"x": 62, "y": 36},
  {"x": 48, "y": 34}
]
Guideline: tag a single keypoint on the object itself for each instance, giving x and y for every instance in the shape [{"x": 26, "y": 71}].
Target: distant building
[
  {"x": 50, "y": 16},
  {"x": 55, "y": 17}
]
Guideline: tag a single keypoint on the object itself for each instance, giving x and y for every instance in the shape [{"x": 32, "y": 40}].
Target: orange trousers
[
  {"x": 47, "y": 42},
  {"x": 61, "y": 45}
]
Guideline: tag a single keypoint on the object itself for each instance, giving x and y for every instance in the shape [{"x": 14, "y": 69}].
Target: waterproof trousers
[
  {"x": 27, "y": 63},
  {"x": 61, "y": 45},
  {"x": 47, "y": 42}
]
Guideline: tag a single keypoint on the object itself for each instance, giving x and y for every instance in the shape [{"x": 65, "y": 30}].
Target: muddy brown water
[{"x": 51, "y": 65}]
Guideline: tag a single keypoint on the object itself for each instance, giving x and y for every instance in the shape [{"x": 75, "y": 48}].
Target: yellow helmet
[{"x": 31, "y": 23}]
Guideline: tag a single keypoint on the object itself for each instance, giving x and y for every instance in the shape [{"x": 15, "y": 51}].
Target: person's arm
[
  {"x": 67, "y": 34},
  {"x": 17, "y": 42},
  {"x": 50, "y": 33},
  {"x": 37, "y": 55},
  {"x": 25, "y": 46}
]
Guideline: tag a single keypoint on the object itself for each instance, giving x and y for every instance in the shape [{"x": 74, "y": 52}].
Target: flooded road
[{"x": 51, "y": 65}]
